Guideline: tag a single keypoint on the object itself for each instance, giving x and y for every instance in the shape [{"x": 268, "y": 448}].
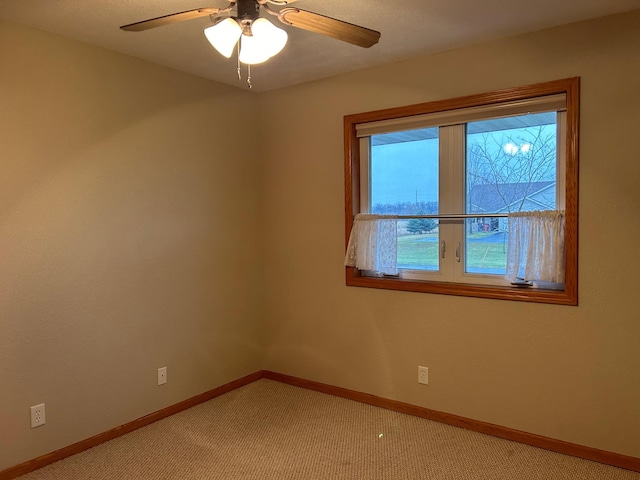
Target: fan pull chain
[
  {"x": 238, "y": 56},
  {"x": 248, "y": 70}
]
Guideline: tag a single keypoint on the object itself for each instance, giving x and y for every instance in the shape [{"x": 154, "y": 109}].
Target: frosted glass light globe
[{"x": 224, "y": 35}]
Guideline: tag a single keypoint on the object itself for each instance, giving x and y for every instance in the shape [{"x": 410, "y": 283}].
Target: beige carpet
[{"x": 271, "y": 431}]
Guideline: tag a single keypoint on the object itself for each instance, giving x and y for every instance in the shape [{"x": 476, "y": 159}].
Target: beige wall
[
  {"x": 127, "y": 225},
  {"x": 571, "y": 373}
]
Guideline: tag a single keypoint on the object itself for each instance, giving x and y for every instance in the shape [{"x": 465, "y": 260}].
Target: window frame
[{"x": 569, "y": 295}]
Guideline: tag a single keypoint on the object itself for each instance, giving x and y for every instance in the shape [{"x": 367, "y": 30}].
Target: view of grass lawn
[{"x": 421, "y": 251}]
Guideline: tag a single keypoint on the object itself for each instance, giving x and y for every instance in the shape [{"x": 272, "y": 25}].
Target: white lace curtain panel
[
  {"x": 535, "y": 250},
  {"x": 373, "y": 244}
]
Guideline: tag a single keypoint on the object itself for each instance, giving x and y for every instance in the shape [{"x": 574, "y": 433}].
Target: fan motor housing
[{"x": 248, "y": 10}]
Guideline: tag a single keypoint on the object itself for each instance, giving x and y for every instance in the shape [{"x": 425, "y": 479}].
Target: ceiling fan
[{"x": 248, "y": 15}]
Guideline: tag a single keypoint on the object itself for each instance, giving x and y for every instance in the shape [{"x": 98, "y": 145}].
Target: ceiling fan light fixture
[
  {"x": 224, "y": 36},
  {"x": 266, "y": 41}
]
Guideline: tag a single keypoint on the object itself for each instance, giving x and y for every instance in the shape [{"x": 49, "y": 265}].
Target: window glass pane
[
  {"x": 486, "y": 245},
  {"x": 404, "y": 181},
  {"x": 418, "y": 244},
  {"x": 510, "y": 167}
]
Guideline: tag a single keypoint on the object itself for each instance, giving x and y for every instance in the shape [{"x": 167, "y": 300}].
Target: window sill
[{"x": 568, "y": 296}]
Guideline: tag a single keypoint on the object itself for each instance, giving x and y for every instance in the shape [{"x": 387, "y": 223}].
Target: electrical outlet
[
  {"x": 162, "y": 376},
  {"x": 423, "y": 375},
  {"x": 37, "y": 415}
]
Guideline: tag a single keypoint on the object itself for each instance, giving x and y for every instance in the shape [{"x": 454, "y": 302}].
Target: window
[{"x": 452, "y": 172}]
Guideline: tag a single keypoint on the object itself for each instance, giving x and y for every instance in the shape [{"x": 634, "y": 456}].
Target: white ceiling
[{"x": 408, "y": 27}]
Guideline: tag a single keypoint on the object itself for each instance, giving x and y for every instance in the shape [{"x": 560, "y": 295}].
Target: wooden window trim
[{"x": 568, "y": 296}]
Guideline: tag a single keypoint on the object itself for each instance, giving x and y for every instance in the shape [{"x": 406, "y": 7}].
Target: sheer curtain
[
  {"x": 373, "y": 243},
  {"x": 535, "y": 250}
]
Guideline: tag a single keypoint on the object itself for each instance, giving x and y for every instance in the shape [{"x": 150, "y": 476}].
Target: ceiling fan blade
[
  {"x": 167, "y": 19},
  {"x": 314, "y": 22}
]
